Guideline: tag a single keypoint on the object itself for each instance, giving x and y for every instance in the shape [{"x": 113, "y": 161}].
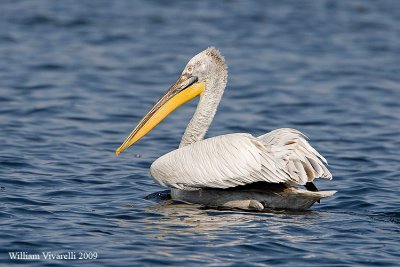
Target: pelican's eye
[{"x": 190, "y": 69}]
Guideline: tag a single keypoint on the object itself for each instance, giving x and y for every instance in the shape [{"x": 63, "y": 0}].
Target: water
[{"x": 76, "y": 76}]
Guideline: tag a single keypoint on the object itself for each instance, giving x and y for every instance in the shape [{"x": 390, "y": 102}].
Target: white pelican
[{"x": 234, "y": 170}]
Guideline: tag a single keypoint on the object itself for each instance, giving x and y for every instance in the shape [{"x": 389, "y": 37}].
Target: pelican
[{"x": 234, "y": 171}]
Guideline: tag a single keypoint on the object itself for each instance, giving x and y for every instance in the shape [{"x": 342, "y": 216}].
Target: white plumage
[{"x": 280, "y": 156}]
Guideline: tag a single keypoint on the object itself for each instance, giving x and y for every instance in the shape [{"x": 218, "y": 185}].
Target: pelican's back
[{"x": 280, "y": 156}]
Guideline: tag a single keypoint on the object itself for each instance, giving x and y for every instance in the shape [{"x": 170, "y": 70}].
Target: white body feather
[{"x": 280, "y": 156}]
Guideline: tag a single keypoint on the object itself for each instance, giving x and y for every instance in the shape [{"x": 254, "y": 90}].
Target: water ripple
[{"x": 74, "y": 79}]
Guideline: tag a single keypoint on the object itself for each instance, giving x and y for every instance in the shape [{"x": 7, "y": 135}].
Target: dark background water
[{"x": 75, "y": 77}]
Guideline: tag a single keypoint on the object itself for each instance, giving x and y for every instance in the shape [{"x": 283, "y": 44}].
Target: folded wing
[{"x": 281, "y": 156}]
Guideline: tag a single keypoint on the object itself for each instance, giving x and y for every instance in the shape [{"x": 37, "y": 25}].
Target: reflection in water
[
  {"x": 182, "y": 219},
  {"x": 192, "y": 218}
]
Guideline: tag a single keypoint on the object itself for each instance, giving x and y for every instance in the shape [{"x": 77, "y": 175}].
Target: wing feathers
[
  {"x": 280, "y": 156},
  {"x": 301, "y": 159}
]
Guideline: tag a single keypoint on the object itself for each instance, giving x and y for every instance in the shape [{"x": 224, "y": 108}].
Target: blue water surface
[{"x": 76, "y": 76}]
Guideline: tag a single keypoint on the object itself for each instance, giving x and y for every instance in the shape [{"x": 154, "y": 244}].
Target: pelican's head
[
  {"x": 200, "y": 77},
  {"x": 207, "y": 66}
]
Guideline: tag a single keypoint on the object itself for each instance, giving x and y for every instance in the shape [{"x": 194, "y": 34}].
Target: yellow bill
[{"x": 184, "y": 89}]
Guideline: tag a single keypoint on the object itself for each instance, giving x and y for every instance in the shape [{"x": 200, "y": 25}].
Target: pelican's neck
[{"x": 206, "y": 108}]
